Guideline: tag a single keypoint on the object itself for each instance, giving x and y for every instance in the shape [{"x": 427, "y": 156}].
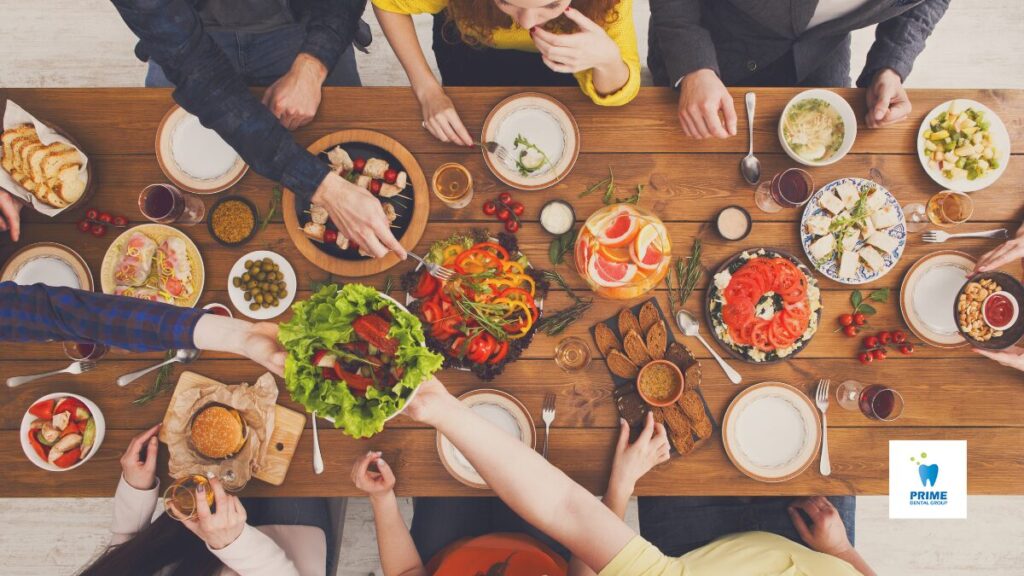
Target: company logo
[
  {"x": 929, "y": 473},
  {"x": 916, "y": 487}
]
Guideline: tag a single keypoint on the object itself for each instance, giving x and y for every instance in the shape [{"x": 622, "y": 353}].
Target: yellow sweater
[{"x": 517, "y": 38}]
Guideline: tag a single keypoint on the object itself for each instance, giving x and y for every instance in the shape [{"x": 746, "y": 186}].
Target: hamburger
[{"x": 218, "y": 432}]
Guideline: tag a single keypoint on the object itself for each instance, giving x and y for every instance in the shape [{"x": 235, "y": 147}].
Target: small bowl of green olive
[{"x": 262, "y": 285}]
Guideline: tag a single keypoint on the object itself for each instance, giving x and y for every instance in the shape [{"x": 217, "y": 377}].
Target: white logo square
[{"x": 927, "y": 479}]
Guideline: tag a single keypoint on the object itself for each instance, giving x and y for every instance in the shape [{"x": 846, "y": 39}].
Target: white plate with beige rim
[
  {"x": 48, "y": 263},
  {"x": 928, "y": 293},
  {"x": 541, "y": 121},
  {"x": 152, "y": 288},
  {"x": 771, "y": 432},
  {"x": 499, "y": 408},
  {"x": 195, "y": 158}
]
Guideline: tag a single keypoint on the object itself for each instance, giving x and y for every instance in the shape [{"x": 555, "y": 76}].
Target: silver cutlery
[
  {"x": 435, "y": 270},
  {"x": 937, "y": 236},
  {"x": 688, "y": 325},
  {"x": 547, "y": 414},
  {"x": 184, "y": 356},
  {"x": 821, "y": 401},
  {"x": 750, "y": 166},
  {"x": 75, "y": 368},
  {"x": 498, "y": 150},
  {"x": 318, "y": 459}
]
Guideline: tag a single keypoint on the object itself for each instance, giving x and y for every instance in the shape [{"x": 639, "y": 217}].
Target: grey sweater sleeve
[
  {"x": 899, "y": 40},
  {"x": 684, "y": 44}
]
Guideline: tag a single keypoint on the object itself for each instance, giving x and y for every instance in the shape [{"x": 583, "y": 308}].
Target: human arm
[
  {"x": 1003, "y": 254},
  {"x": 398, "y": 554},
  {"x": 439, "y": 115},
  {"x": 898, "y": 42},
  {"x": 826, "y": 533},
  {"x": 1012, "y": 357},
  {"x": 10, "y": 214},
  {"x": 537, "y": 491},
  {"x": 137, "y": 490}
]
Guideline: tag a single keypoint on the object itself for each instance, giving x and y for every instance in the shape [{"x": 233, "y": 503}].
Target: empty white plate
[
  {"x": 195, "y": 158},
  {"x": 927, "y": 295},
  {"x": 48, "y": 263}
]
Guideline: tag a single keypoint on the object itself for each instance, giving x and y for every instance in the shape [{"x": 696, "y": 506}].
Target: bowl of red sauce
[
  {"x": 1000, "y": 310},
  {"x": 218, "y": 309}
]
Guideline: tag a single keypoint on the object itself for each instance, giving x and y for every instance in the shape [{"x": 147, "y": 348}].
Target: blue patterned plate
[{"x": 830, "y": 268}]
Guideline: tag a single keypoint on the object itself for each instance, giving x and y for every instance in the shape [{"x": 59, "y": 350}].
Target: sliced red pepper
[
  {"x": 498, "y": 250},
  {"x": 458, "y": 347},
  {"x": 69, "y": 458},
  {"x": 43, "y": 409},
  {"x": 318, "y": 356},
  {"x": 374, "y": 330},
  {"x": 426, "y": 286},
  {"x": 36, "y": 444},
  {"x": 431, "y": 311},
  {"x": 445, "y": 328},
  {"x": 500, "y": 353},
  {"x": 353, "y": 381},
  {"x": 491, "y": 260},
  {"x": 481, "y": 347},
  {"x": 71, "y": 428},
  {"x": 70, "y": 405}
]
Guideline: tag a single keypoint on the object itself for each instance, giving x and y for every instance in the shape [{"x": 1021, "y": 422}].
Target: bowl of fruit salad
[
  {"x": 623, "y": 251},
  {"x": 61, "y": 431}
]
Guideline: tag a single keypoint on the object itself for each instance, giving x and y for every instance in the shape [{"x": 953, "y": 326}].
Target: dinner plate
[
  {"x": 48, "y": 263},
  {"x": 927, "y": 295},
  {"x": 195, "y": 158},
  {"x": 1010, "y": 335},
  {"x": 499, "y": 408},
  {"x": 771, "y": 432},
  {"x": 831, "y": 267},
  {"x": 1000, "y": 139},
  {"x": 543, "y": 121},
  {"x": 157, "y": 232},
  {"x": 237, "y": 295}
]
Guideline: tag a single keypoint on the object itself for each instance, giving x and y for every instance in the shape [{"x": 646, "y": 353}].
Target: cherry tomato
[
  {"x": 884, "y": 337},
  {"x": 512, "y": 226},
  {"x": 105, "y": 218},
  {"x": 878, "y": 354},
  {"x": 92, "y": 214},
  {"x": 358, "y": 164},
  {"x": 898, "y": 337},
  {"x": 375, "y": 186},
  {"x": 866, "y": 358},
  {"x": 504, "y": 214},
  {"x": 490, "y": 208},
  {"x": 120, "y": 221},
  {"x": 390, "y": 175},
  {"x": 505, "y": 198},
  {"x": 330, "y": 236},
  {"x": 871, "y": 342},
  {"x": 517, "y": 208},
  {"x": 98, "y": 230},
  {"x": 907, "y": 349},
  {"x": 84, "y": 226},
  {"x": 850, "y": 331},
  {"x": 859, "y": 319},
  {"x": 845, "y": 319}
]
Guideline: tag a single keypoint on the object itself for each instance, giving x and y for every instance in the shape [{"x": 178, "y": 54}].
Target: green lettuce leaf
[{"x": 324, "y": 321}]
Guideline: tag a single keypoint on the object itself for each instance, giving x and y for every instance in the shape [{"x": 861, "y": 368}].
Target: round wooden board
[{"x": 359, "y": 268}]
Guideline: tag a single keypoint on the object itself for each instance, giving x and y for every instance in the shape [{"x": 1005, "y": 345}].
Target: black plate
[
  {"x": 404, "y": 206},
  {"x": 733, "y": 264},
  {"x": 1014, "y": 333}
]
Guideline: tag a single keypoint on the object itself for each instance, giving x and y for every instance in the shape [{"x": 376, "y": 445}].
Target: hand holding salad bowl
[{"x": 355, "y": 356}]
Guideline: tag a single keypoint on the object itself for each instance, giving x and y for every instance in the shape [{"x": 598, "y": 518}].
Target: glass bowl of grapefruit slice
[{"x": 623, "y": 251}]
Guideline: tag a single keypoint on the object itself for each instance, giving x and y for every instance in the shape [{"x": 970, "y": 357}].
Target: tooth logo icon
[{"x": 929, "y": 473}]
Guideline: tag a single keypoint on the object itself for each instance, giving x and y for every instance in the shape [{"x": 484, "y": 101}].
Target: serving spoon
[
  {"x": 318, "y": 459},
  {"x": 750, "y": 166},
  {"x": 689, "y": 325},
  {"x": 183, "y": 355}
]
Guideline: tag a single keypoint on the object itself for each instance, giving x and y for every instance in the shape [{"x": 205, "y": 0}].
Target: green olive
[
  {"x": 258, "y": 297},
  {"x": 274, "y": 302},
  {"x": 266, "y": 304},
  {"x": 246, "y": 277},
  {"x": 248, "y": 263},
  {"x": 268, "y": 262},
  {"x": 282, "y": 294},
  {"x": 236, "y": 281},
  {"x": 254, "y": 306},
  {"x": 247, "y": 296}
]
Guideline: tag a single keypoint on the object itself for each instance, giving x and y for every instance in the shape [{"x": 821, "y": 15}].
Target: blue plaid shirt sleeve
[{"x": 40, "y": 313}]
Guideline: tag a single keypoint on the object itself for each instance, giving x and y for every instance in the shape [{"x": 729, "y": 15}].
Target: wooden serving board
[{"x": 288, "y": 426}]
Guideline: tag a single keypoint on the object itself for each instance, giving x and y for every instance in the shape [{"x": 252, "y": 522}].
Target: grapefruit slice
[
  {"x": 649, "y": 238},
  {"x": 618, "y": 231},
  {"x": 651, "y": 259},
  {"x": 610, "y": 274}
]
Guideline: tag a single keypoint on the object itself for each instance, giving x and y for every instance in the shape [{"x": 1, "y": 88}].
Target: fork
[
  {"x": 78, "y": 367},
  {"x": 547, "y": 414},
  {"x": 937, "y": 236},
  {"x": 435, "y": 270},
  {"x": 498, "y": 150},
  {"x": 821, "y": 400}
]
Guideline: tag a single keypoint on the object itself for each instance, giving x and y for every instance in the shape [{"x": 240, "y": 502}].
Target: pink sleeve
[
  {"x": 133, "y": 511},
  {"x": 254, "y": 553}
]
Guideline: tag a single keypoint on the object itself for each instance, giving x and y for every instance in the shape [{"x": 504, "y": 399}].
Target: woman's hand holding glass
[{"x": 218, "y": 529}]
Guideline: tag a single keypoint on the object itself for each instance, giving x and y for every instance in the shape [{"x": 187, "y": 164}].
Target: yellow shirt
[
  {"x": 517, "y": 38},
  {"x": 745, "y": 554}
]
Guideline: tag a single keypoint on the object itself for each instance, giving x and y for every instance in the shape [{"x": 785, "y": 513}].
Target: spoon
[
  {"x": 318, "y": 459},
  {"x": 183, "y": 355},
  {"x": 689, "y": 325},
  {"x": 750, "y": 167}
]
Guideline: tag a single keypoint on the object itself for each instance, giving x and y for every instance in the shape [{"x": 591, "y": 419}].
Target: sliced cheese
[
  {"x": 881, "y": 240},
  {"x": 872, "y": 258},
  {"x": 848, "y": 265},
  {"x": 885, "y": 218},
  {"x": 829, "y": 201},
  {"x": 876, "y": 199},
  {"x": 850, "y": 241},
  {"x": 848, "y": 193},
  {"x": 818, "y": 225},
  {"x": 823, "y": 247}
]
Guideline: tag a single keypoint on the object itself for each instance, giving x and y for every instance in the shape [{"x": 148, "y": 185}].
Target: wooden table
[{"x": 949, "y": 394}]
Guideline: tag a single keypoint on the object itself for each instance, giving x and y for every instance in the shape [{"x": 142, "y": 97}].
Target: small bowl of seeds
[
  {"x": 261, "y": 285},
  {"x": 233, "y": 220}
]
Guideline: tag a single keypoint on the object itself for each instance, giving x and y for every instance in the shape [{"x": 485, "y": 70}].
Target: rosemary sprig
[
  {"x": 160, "y": 384},
  {"x": 687, "y": 274},
  {"x": 275, "y": 205},
  {"x": 556, "y": 322},
  {"x": 388, "y": 284}
]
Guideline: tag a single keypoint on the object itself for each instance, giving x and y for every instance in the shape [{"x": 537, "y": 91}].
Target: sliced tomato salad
[{"x": 748, "y": 285}]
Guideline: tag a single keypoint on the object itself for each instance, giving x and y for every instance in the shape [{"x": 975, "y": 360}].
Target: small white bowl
[
  {"x": 213, "y": 305},
  {"x": 845, "y": 113},
  {"x": 1013, "y": 301},
  {"x": 27, "y": 419}
]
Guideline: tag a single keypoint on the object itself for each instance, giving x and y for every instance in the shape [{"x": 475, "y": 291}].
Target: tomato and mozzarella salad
[
  {"x": 764, "y": 306},
  {"x": 63, "y": 432}
]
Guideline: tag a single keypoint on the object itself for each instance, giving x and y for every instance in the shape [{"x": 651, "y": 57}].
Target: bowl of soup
[
  {"x": 660, "y": 383},
  {"x": 817, "y": 128}
]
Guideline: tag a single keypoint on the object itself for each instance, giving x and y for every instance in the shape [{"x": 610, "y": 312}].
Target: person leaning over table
[
  {"x": 514, "y": 43},
  {"x": 1005, "y": 253},
  {"x": 701, "y": 46},
  {"x": 40, "y": 313},
  {"x": 172, "y": 34},
  {"x": 554, "y": 504},
  {"x": 244, "y": 537},
  {"x": 10, "y": 214}
]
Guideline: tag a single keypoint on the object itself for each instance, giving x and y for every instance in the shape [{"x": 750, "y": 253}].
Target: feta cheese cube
[
  {"x": 881, "y": 240},
  {"x": 848, "y": 265},
  {"x": 872, "y": 258},
  {"x": 848, "y": 193},
  {"x": 829, "y": 201},
  {"x": 885, "y": 218},
  {"x": 818, "y": 225},
  {"x": 823, "y": 247}
]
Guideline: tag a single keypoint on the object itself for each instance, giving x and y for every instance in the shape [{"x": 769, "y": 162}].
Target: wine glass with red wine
[
  {"x": 876, "y": 401},
  {"x": 791, "y": 188}
]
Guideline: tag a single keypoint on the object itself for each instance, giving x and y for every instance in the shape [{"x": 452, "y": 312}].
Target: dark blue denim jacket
[{"x": 171, "y": 33}]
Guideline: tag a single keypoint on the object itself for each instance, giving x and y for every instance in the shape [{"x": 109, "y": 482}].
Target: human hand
[
  {"x": 706, "y": 108},
  {"x": 295, "y": 97},
  {"x": 10, "y": 214},
  {"x": 428, "y": 405},
  {"x": 634, "y": 460},
  {"x": 826, "y": 533},
  {"x": 358, "y": 216},
  {"x": 376, "y": 484},
  {"x": 888, "y": 102},
  {"x": 589, "y": 48},
  {"x": 1003, "y": 254},
  {"x": 440, "y": 117},
  {"x": 261, "y": 345},
  {"x": 218, "y": 529},
  {"x": 140, "y": 471},
  {"x": 1012, "y": 357}
]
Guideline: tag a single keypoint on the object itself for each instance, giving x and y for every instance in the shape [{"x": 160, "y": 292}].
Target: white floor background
[{"x": 56, "y": 43}]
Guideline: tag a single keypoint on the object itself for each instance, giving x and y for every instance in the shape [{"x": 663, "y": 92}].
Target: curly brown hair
[{"x": 482, "y": 17}]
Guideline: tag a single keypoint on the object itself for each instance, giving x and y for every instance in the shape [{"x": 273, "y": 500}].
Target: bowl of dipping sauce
[
  {"x": 218, "y": 309},
  {"x": 660, "y": 383},
  {"x": 733, "y": 223},
  {"x": 1000, "y": 310},
  {"x": 557, "y": 217},
  {"x": 233, "y": 220}
]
